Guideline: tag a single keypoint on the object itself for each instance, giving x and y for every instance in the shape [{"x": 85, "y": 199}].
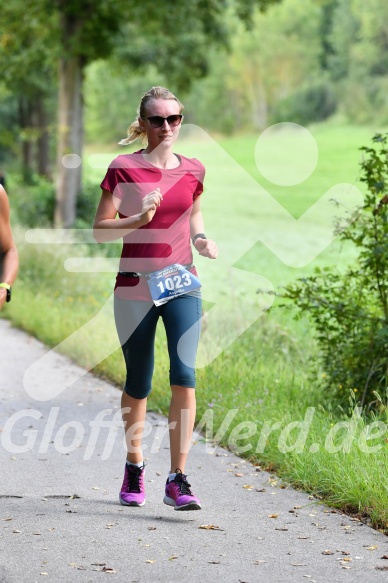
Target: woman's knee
[{"x": 138, "y": 392}]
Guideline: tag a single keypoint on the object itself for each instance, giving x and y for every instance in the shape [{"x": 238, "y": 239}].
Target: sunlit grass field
[{"x": 253, "y": 360}]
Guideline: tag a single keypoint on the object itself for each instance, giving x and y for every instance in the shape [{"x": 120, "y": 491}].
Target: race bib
[{"x": 170, "y": 282}]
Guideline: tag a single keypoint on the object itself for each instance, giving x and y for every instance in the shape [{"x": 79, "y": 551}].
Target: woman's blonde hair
[{"x": 135, "y": 132}]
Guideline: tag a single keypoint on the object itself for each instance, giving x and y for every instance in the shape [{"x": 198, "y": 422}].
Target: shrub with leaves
[{"x": 349, "y": 310}]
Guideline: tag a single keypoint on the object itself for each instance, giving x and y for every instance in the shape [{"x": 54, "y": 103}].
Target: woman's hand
[
  {"x": 206, "y": 247},
  {"x": 150, "y": 203}
]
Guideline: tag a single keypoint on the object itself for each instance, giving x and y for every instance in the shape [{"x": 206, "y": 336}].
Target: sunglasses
[{"x": 156, "y": 121}]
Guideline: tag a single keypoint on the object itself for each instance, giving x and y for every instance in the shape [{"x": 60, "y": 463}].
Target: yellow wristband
[{"x": 8, "y": 288}]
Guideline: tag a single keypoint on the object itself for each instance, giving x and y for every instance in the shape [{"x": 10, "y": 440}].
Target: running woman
[
  {"x": 156, "y": 195},
  {"x": 9, "y": 261}
]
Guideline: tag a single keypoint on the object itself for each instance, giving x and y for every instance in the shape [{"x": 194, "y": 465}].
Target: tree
[
  {"x": 87, "y": 30},
  {"x": 264, "y": 67},
  {"x": 181, "y": 55},
  {"x": 359, "y": 58},
  {"x": 28, "y": 73}
]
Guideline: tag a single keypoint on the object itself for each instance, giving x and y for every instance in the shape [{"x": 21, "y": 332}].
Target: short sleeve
[
  {"x": 111, "y": 182},
  {"x": 200, "y": 175},
  {"x": 116, "y": 175}
]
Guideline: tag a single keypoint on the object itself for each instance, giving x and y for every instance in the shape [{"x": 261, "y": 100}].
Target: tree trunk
[
  {"x": 70, "y": 140},
  {"x": 260, "y": 108},
  {"x": 25, "y": 117},
  {"x": 42, "y": 153}
]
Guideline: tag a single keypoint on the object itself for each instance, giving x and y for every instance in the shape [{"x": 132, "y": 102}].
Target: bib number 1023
[
  {"x": 176, "y": 282},
  {"x": 170, "y": 282}
]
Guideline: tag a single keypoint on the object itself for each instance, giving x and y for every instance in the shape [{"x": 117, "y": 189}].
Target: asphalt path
[{"x": 62, "y": 463}]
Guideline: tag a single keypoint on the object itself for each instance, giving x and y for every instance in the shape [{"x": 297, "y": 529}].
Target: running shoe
[
  {"x": 179, "y": 495},
  {"x": 132, "y": 491}
]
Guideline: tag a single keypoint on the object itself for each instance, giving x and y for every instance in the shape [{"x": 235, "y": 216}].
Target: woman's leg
[
  {"x": 136, "y": 326},
  {"x": 181, "y": 420},
  {"x": 182, "y": 321},
  {"x": 133, "y": 413}
]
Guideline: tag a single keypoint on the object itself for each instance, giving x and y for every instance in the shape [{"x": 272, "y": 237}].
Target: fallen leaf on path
[
  {"x": 281, "y": 528},
  {"x": 152, "y": 528},
  {"x": 384, "y": 557},
  {"x": 299, "y": 564},
  {"x": 238, "y": 474},
  {"x": 248, "y": 487},
  {"x": 273, "y": 515},
  {"x": 214, "y": 562},
  {"x": 258, "y": 562},
  {"x": 173, "y": 557},
  {"x": 372, "y": 548},
  {"x": 210, "y": 527},
  {"x": 150, "y": 561},
  {"x": 382, "y": 567},
  {"x": 16, "y": 531},
  {"x": 79, "y": 567},
  {"x": 327, "y": 552}
]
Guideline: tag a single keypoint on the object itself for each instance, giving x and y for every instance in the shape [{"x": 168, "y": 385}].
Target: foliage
[
  {"x": 34, "y": 204},
  {"x": 8, "y": 117},
  {"x": 315, "y": 101},
  {"x": 358, "y": 61},
  {"x": 264, "y": 65},
  {"x": 349, "y": 310},
  {"x": 107, "y": 118}
]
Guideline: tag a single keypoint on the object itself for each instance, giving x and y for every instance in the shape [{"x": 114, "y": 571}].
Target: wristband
[
  {"x": 198, "y": 236},
  {"x": 8, "y": 288}
]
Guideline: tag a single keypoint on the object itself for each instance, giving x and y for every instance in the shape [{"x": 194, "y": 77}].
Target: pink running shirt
[{"x": 166, "y": 239}]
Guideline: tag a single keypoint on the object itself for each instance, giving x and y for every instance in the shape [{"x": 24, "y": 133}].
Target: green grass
[{"x": 265, "y": 373}]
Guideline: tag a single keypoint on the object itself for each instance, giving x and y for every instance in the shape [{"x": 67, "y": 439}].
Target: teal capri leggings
[{"x": 136, "y": 327}]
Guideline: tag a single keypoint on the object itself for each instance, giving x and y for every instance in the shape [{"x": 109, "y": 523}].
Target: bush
[
  {"x": 349, "y": 310},
  {"x": 315, "y": 102},
  {"x": 34, "y": 204},
  {"x": 87, "y": 201}
]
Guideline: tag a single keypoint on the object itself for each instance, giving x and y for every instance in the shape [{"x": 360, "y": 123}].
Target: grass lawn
[{"x": 252, "y": 361}]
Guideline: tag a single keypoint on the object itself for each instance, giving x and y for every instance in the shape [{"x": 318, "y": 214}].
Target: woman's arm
[
  {"x": 7, "y": 247},
  {"x": 205, "y": 247},
  {"x": 107, "y": 227}
]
